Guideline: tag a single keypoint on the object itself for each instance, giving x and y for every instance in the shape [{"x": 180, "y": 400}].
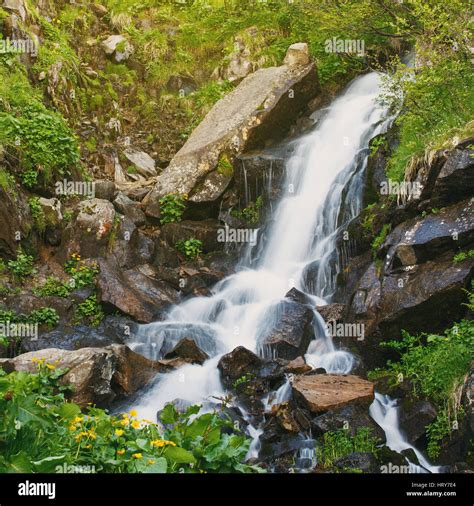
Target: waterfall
[
  {"x": 321, "y": 193},
  {"x": 384, "y": 411}
]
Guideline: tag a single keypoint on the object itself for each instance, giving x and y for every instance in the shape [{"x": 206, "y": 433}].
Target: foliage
[
  {"x": 37, "y": 214},
  {"x": 380, "y": 239},
  {"x": 435, "y": 365},
  {"x": 90, "y": 312},
  {"x": 40, "y": 430},
  {"x": 376, "y": 144},
  {"x": 172, "y": 207},
  {"x": 44, "y": 316},
  {"x": 190, "y": 248},
  {"x": 250, "y": 214},
  {"x": 337, "y": 444},
  {"x": 83, "y": 274},
  {"x": 22, "y": 266},
  {"x": 53, "y": 287},
  {"x": 463, "y": 255}
]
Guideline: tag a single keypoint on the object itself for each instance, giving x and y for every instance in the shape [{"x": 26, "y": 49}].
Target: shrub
[
  {"x": 37, "y": 214},
  {"x": 81, "y": 272},
  {"x": 90, "y": 312},
  {"x": 172, "y": 207},
  {"x": 53, "y": 287},
  {"x": 190, "y": 248},
  {"x": 22, "y": 267}
]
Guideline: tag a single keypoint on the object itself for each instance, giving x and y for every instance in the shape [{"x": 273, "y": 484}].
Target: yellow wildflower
[
  {"x": 151, "y": 462},
  {"x": 136, "y": 424},
  {"x": 137, "y": 455},
  {"x": 125, "y": 423},
  {"x": 78, "y": 419},
  {"x": 120, "y": 452},
  {"x": 51, "y": 367},
  {"x": 72, "y": 428},
  {"x": 133, "y": 413},
  {"x": 119, "y": 432}
]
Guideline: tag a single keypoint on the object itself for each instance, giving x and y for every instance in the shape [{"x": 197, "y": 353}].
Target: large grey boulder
[{"x": 261, "y": 108}]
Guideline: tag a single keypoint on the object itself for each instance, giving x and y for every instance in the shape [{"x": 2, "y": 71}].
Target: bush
[
  {"x": 82, "y": 273},
  {"x": 172, "y": 207},
  {"x": 53, "y": 287},
  {"x": 90, "y": 312},
  {"x": 22, "y": 267},
  {"x": 37, "y": 214},
  {"x": 190, "y": 248},
  {"x": 40, "y": 430}
]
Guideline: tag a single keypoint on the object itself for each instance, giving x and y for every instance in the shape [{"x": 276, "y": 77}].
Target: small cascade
[{"x": 385, "y": 413}]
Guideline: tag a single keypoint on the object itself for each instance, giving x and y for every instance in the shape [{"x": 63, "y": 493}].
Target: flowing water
[{"x": 322, "y": 192}]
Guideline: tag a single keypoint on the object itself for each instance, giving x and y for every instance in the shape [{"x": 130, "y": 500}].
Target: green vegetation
[
  {"x": 52, "y": 287},
  {"x": 40, "y": 430},
  {"x": 89, "y": 312},
  {"x": 436, "y": 366},
  {"x": 380, "y": 239},
  {"x": 463, "y": 255},
  {"x": 250, "y": 215},
  {"x": 337, "y": 444},
  {"x": 190, "y": 248},
  {"x": 82, "y": 272},
  {"x": 22, "y": 266},
  {"x": 172, "y": 207},
  {"x": 37, "y": 214}
]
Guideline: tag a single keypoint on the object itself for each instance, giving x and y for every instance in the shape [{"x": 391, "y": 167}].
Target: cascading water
[
  {"x": 384, "y": 411},
  {"x": 322, "y": 192}
]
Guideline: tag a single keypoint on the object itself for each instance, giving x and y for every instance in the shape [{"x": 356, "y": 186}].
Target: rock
[
  {"x": 131, "y": 292},
  {"x": 422, "y": 239},
  {"x": 17, "y": 6},
  {"x": 189, "y": 351},
  {"x": 118, "y": 46},
  {"x": 104, "y": 190},
  {"x": 332, "y": 312},
  {"x": 289, "y": 336},
  {"x": 14, "y": 217},
  {"x": 237, "y": 364},
  {"x": 99, "y": 10},
  {"x": 241, "y": 121},
  {"x": 297, "y": 55},
  {"x": 296, "y": 296},
  {"x": 181, "y": 84},
  {"x": 415, "y": 417},
  {"x": 297, "y": 366},
  {"x": 143, "y": 162},
  {"x": 287, "y": 418},
  {"x": 320, "y": 393},
  {"x": 363, "y": 461},
  {"x": 130, "y": 208},
  {"x": 97, "y": 375},
  {"x": 51, "y": 209},
  {"x": 205, "y": 231},
  {"x": 350, "y": 417}
]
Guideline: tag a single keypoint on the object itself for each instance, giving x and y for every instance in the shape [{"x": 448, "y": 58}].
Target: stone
[
  {"x": 99, "y": 9},
  {"x": 297, "y": 55},
  {"x": 104, "y": 190},
  {"x": 15, "y": 217},
  {"x": 238, "y": 363},
  {"x": 291, "y": 333},
  {"x": 205, "y": 231},
  {"x": 362, "y": 461},
  {"x": 189, "y": 351},
  {"x": 130, "y": 208},
  {"x": 415, "y": 417},
  {"x": 17, "y": 6},
  {"x": 118, "y": 46},
  {"x": 97, "y": 375},
  {"x": 143, "y": 162},
  {"x": 323, "y": 392},
  {"x": 297, "y": 366},
  {"x": 257, "y": 110},
  {"x": 51, "y": 209}
]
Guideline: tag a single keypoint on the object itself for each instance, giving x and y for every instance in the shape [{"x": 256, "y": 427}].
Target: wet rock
[
  {"x": 97, "y": 375},
  {"x": 189, "y": 351},
  {"x": 320, "y": 393},
  {"x": 296, "y": 296},
  {"x": 415, "y": 417},
  {"x": 130, "y": 208},
  {"x": 143, "y": 162},
  {"x": 363, "y": 461},
  {"x": 238, "y": 363},
  {"x": 332, "y": 312},
  {"x": 14, "y": 217},
  {"x": 290, "y": 334},
  {"x": 257, "y": 108},
  {"x": 350, "y": 417},
  {"x": 290, "y": 418},
  {"x": 51, "y": 209},
  {"x": 297, "y": 366},
  {"x": 205, "y": 231}
]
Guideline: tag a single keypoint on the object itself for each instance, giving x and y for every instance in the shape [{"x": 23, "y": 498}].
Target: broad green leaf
[
  {"x": 69, "y": 410},
  {"x": 160, "y": 466},
  {"x": 20, "y": 464},
  {"x": 179, "y": 455},
  {"x": 169, "y": 415}
]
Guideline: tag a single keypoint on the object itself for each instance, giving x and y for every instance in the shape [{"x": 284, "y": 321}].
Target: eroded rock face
[
  {"x": 289, "y": 336},
  {"x": 14, "y": 217},
  {"x": 415, "y": 416},
  {"x": 323, "y": 392},
  {"x": 97, "y": 375},
  {"x": 205, "y": 231},
  {"x": 238, "y": 363},
  {"x": 242, "y": 120},
  {"x": 130, "y": 208}
]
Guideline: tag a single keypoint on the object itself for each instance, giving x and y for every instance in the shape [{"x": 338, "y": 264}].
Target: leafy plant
[
  {"x": 44, "y": 316},
  {"x": 22, "y": 267},
  {"x": 37, "y": 214},
  {"x": 83, "y": 274},
  {"x": 251, "y": 213},
  {"x": 90, "y": 311},
  {"x": 172, "y": 207},
  {"x": 380, "y": 239},
  {"x": 463, "y": 255},
  {"x": 191, "y": 248},
  {"x": 53, "y": 287}
]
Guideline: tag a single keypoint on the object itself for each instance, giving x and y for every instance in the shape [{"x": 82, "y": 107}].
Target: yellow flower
[
  {"x": 136, "y": 424},
  {"x": 159, "y": 443},
  {"x": 51, "y": 367},
  {"x": 137, "y": 455},
  {"x": 92, "y": 434},
  {"x": 151, "y": 461},
  {"x": 72, "y": 427},
  {"x": 133, "y": 413},
  {"x": 78, "y": 419},
  {"x": 125, "y": 422},
  {"x": 125, "y": 415},
  {"x": 120, "y": 452},
  {"x": 119, "y": 432}
]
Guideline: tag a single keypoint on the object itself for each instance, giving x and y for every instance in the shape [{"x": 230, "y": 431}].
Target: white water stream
[{"x": 322, "y": 192}]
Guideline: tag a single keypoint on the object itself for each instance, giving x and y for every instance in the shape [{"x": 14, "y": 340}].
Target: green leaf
[
  {"x": 169, "y": 414},
  {"x": 47, "y": 464},
  {"x": 160, "y": 466},
  {"x": 69, "y": 410},
  {"x": 20, "y": 464},
  {"x": 179, "y": 455}
]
